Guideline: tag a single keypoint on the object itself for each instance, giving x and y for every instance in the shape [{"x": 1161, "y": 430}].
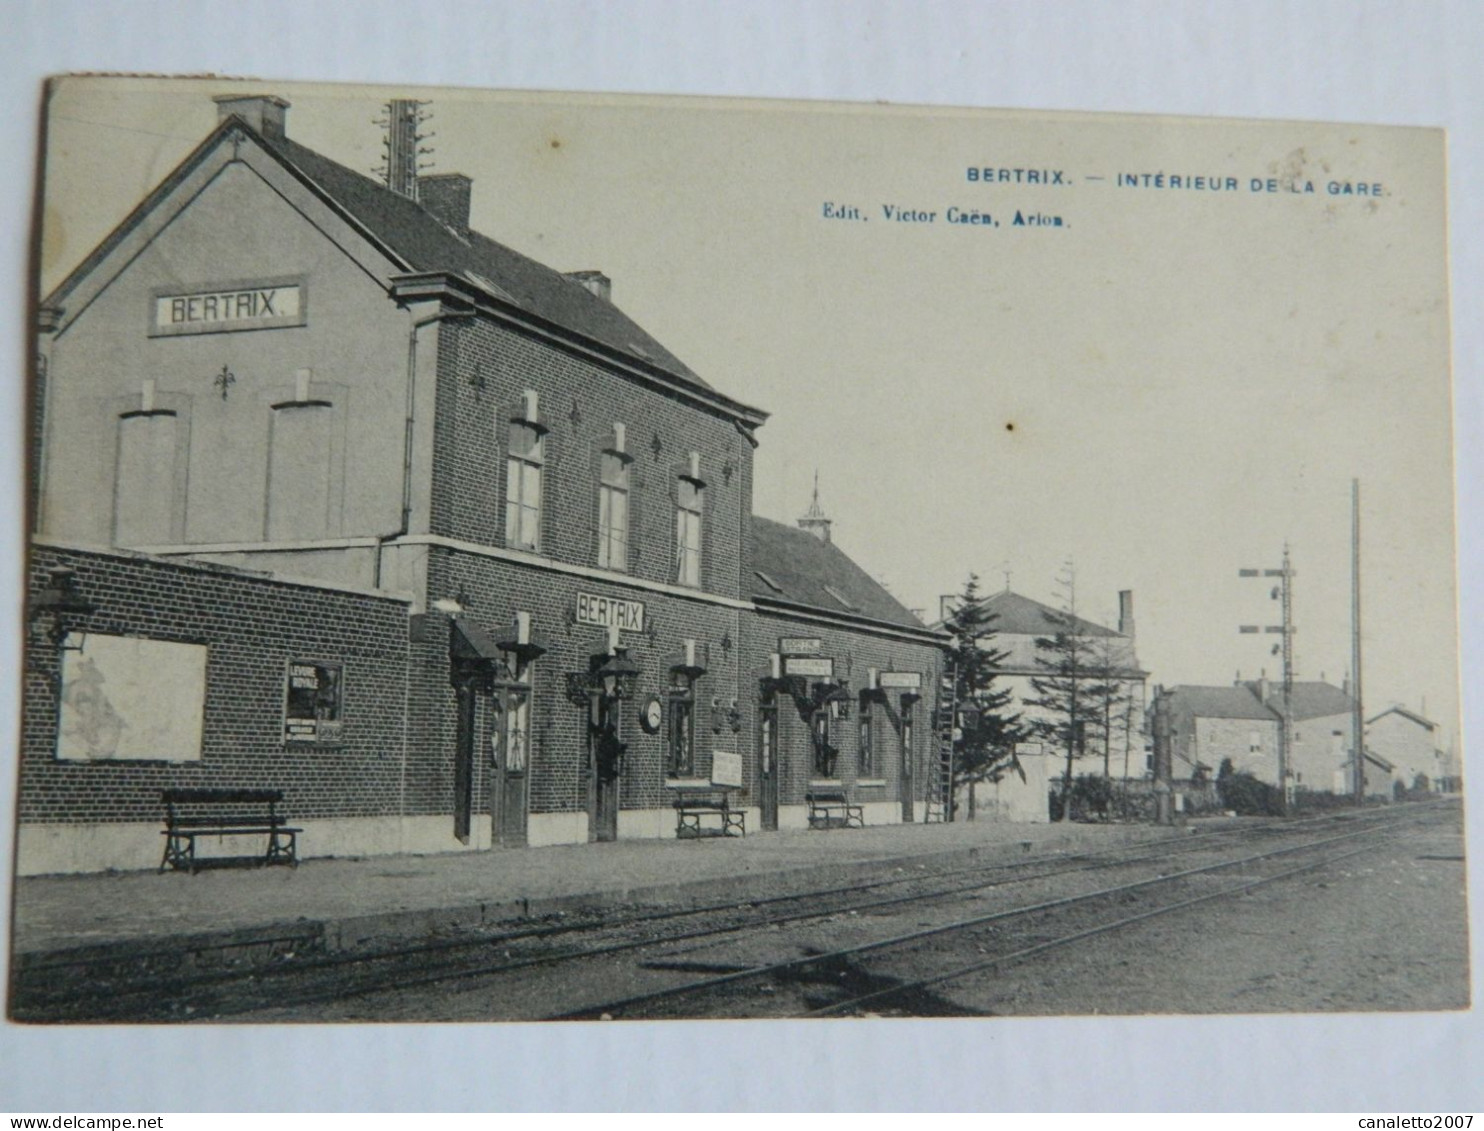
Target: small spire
[{"x": 815, "y": 521}]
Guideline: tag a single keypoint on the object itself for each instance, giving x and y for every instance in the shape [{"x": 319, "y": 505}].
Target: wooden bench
[
  {"x": 829, "y": 809},
  {"x": 190, "y": 813},
  {"x": 707, "y": 812}
]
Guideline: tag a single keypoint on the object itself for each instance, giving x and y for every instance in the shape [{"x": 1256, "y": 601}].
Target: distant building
[
  {"x": 1410, "y": 743},
  {"x": 1243, "y": 723},
  {"x": 1018, "y": 622}
]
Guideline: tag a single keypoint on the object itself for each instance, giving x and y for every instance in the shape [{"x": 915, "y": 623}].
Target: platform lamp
[
  {"x": 837, "y": 702},
  {"x": 64, "y": 603},
  {"x": 615, "y": 676}
]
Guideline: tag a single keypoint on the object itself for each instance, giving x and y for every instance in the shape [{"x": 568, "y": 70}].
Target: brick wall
[
  {"x": 252, "y": 626},
  {"x": 493, "y": 591},
  {"x": 855, "y": 651},
  {"x": 483, "y": 367}
]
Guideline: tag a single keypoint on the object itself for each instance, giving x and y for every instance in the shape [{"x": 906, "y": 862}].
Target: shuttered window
[{"x": 144, "y": 502}]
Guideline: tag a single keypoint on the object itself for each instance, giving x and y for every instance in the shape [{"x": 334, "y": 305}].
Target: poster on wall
[
  {"x": 125, "y": 697},
  {"x": 312, "y": 703}
]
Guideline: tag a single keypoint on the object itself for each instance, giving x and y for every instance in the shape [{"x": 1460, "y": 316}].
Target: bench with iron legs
[
  {"x": 192, "y": 813},
  {"x": 707, "y": 812},
  {"x": 830, "y": 809}
]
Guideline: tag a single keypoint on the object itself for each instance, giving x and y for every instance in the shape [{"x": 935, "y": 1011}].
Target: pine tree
[
  {"x": 985, "y": 733},
  {"x": 1070, "y": 689}
]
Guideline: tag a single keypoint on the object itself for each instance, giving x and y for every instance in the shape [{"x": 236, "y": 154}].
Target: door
[
  {"x": 907, "y": 767},
  {"x": 767, "y": 764},
  {"x": 463, "y": 756},
  {"x": 512, "y": 751},
  {"x": 607, "y": 763}
]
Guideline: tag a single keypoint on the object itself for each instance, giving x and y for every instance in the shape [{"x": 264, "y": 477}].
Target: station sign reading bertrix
[
  {"x": 610, "y": 612},
  {"x": 240, "y": 306},
  {"x": 905, "y": 681}
]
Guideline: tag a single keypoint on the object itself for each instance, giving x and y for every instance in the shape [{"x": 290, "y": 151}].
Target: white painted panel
[{"x": 127, "y": 697}]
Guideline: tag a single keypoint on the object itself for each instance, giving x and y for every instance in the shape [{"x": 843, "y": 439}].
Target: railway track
[
  {"x": 52, "y": 992},
  {"x": 838, "y": 982}
]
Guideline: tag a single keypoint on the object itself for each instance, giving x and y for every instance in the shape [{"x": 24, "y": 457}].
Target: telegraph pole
[
  {"x": 1358, "y": 745},
  {"x": 1282, "y": 592}
]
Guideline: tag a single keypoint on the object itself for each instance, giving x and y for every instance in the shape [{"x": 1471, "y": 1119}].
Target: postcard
[{"x": 508, "y": 556}]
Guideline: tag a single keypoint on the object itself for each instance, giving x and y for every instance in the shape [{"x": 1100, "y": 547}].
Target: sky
[{"x": 1170, "y": 385}]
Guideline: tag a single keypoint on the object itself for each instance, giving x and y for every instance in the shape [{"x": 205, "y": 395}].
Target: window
[
  {"x": 523, "y": 486},
  {"x": 824, "y": 753},
  {"x": 689, "y": 499},
  {"x": 868, "y": 746},
  {"x": 517, "y": 731},
  {"x": 682, "y": 734},
  {"x": 1254, "y": 742},
  {"x": 613, "y": 511},
  {"x": 299, "y": 470},
  {"x": 767, "y": 739},
  {"x": 144, "y": 490},
  {"x": 906, "y": 742}
]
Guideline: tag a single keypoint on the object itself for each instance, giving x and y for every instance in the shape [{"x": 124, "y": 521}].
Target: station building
[{"x": 284, "y": 408}]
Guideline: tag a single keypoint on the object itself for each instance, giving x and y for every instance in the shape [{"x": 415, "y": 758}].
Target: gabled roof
[
  {"x": 1015, "y": 615},
  {"x": 1218, "y": 703},
  {"x": 427, "y": 244},
  {"x": 793, "y": 566},
  {"x": 1311, "y": 699},
  {"x": 409, "y": 233},
  {"x": 1426, "y": 724}
]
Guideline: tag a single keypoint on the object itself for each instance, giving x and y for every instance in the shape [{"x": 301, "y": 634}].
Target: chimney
[
  {"x": 594, "y": 282},
  {"x": 1262, "y": 688},
  {"x": 1126, "y": 613},
  {"x": 446, "y": 196},
  {"x": 265, "y": 113}
]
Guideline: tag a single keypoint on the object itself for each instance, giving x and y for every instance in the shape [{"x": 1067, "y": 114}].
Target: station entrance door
[{"x": 767, "y": 764}]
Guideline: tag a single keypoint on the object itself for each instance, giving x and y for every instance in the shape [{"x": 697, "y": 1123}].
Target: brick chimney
[
  {"x": 1126, "y": 613},
  {"x": 265, "y": 113},
  {"x": 447, "y": 196},
  {"x": 594, "y": 282}
]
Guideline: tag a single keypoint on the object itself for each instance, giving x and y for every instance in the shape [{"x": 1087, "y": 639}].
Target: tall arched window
[
  {"x": 689, "y": 507},
  {"x": 144, "y": 503},
  {"x": 523, "y": 467},
  {"x": 299, "y": 462}
]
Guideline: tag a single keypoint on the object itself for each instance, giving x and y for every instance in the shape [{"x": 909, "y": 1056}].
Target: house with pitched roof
[
  {"x": 849, "y": 679},
  {"x": 1018, "y": 622},
  {"x": 1411, "y": 743},
  {"x": 1243, "y": 723},
  {"x": 369, "y": 508}
]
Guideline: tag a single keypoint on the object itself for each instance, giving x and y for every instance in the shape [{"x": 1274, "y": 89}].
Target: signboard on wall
[
  {"x": 800, "y": 645},
  {"x": 905, "y": 681},
  {"x": 816, "y": 667},
  {"x": 238, "y": 306},
  {"x": 125, "y": 697},
  {"x": 726, "y": 768},
  {"x": 610, "y": 612},
  {"x": 313, "y": 702}
]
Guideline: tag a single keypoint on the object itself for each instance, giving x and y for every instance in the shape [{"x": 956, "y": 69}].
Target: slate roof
[
  {"x": 415, "y": 237},
  {"x": 1020, "y": 616},
  {"x": 1426, "y": 724},
  {"x": 1311, "y": 700},
  {"x": 805, "y": 569},
  {"x": 425, "y": 243},
  {"x": 1218, "y": 703}
]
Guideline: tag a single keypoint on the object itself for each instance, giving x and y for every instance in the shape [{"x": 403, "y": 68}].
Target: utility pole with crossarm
[{"x": 1283, "y": 592}]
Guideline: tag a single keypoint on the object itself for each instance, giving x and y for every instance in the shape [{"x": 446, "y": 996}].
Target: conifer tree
[
  {"x": 1070, "y": 689},
  {"x": 985, "y": 732}
]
